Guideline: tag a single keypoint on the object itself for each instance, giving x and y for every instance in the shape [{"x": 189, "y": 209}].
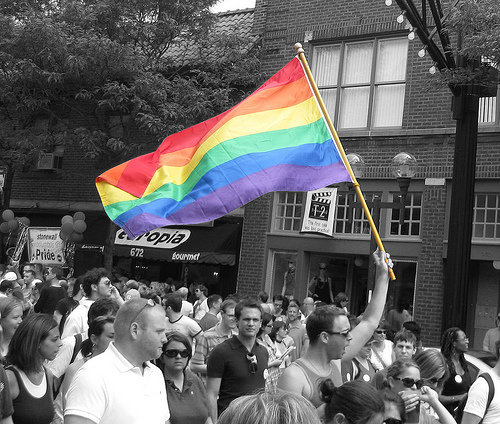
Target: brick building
[{"x": 383, "y": 101}]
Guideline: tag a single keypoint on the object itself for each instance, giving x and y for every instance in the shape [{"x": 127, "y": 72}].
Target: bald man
[
  {"x": 121, "y": 385},
  {"x": 187, "y": 307}
]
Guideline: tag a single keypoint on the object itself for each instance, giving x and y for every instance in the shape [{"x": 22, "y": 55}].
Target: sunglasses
[
  {"x": 380, "y": 331},
  {"x": 322, "y": 267},
  {"x": 392, "y": 421},
  {"x": 252, "y": 363},
  {"x": 150, "y": 303},
  {"x": 409, "y": 382},
  {"x": 172, "y": 353}
]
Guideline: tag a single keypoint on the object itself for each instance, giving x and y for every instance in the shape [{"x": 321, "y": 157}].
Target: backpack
[{"x": 459, "y": 411}]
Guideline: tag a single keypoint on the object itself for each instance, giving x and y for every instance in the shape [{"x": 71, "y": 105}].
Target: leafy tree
[{"x": 112, "y": 62}]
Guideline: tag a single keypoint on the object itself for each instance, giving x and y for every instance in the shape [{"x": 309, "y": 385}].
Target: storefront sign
[
  {"x": 319, "y": 211},
  {"x": 161, "y": 238},
  {"x": 45, "y": 246}
]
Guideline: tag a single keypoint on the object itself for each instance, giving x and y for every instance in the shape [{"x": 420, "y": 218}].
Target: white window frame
[
  {"x": 495, "y": 210},
  {"x": 409, "y": 205},
  {"x": 372, "y": 84}
]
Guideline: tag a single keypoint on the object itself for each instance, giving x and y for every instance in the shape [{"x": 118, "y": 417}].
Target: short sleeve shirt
[
  {"x": 184, "y": 325},
  {"x": 478, "y": 397},
  {"x": 108, "y": 389},
  {"x": 228, "y": 361}
]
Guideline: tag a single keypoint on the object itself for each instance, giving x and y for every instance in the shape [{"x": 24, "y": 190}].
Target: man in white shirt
[
  {"x": 476, "y": 409},
  {"x": 176, "y": 321},
  {"x": 96, "y": 285},
  {"x": 121, "y": 385},
  {"x": 200, "y": 307},
  {"x": 187, "y": 307}
]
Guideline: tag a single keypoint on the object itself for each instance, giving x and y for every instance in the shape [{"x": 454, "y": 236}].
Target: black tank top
[{"x": 29, "y": 409}]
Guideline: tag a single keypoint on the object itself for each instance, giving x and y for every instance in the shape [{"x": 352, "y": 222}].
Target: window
[
  {"x": 488, "y": 110},
  {"x": 363, "y": 83},
  {"x": 413, "y": 213},
  {"x": 350, "y": 220},
  {"x": 487, "y": 216},
  {"x": 288, "y": 210}
]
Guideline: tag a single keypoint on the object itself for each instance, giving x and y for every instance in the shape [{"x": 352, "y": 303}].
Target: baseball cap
[{"x": 10, "y": 276}]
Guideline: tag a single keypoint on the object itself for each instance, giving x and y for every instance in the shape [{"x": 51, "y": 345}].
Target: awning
[{"x": 215, "y": 245}]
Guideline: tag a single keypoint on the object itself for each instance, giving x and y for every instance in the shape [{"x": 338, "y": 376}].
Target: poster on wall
[
  {"x": 45, "y": 246},
  {"x": 319, "y": 211}
]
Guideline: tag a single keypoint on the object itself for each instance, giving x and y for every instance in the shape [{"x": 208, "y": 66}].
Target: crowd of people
[{"x": 102, "y": 349}]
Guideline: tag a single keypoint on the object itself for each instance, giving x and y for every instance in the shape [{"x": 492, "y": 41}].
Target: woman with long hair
[
  {"x": 11, "y": 313},
  {"x": 454, "y": 344},
  {"x": 355, "y": 402},
  {"x": 186, "y": 394},
  {"x": 31, "y": 384},
  {"x": 100, "y": 333},
  {"x": 282, "y": 341},
  {"x": 403, "y": 378},
  {"x": 275, "y": 359}
]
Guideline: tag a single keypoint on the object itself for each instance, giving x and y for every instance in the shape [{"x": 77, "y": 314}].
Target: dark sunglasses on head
[
  {"x": 392, "y": 421},
  {"x": 409, "y": 382},
  {"x": 150, "y": 302},
  {"x": 172, "y": 353},
  {"x": 252, "y": 363}
]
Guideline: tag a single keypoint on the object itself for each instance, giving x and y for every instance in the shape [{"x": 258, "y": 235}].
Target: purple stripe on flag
[{"x": 240, "y": 192}]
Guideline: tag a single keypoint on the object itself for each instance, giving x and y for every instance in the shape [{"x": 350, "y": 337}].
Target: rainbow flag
[{"x": 274, "y": 140}]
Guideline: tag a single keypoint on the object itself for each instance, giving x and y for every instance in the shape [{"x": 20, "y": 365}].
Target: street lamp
[
  {"x": 358, "y": 165},
  {"x": 404, "y": 167}
]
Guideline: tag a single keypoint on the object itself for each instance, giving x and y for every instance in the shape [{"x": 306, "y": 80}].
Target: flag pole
[{"x": 357, "y": 188}]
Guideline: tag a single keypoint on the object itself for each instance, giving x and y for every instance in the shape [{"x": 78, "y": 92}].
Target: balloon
[
  {"x": 79, "y": 216},
  {"x": 66, "y": 218},
  {"x": 25, "y": 220},
  {"x": 7, "y": 215},
  {"x": 4, "y": 227},
  {"x": 67, "y": 227},
  {"x": 76, "y": 237},
  {"x": 63, "y": 236},
  {"x": 13, "y": 224},
  {"x": 79, "y": 226}
]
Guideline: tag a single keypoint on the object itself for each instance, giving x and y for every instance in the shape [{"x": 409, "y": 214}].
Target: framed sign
[
  {"x": 319, "y": 211},
  {"x": 45, "y": 246}
]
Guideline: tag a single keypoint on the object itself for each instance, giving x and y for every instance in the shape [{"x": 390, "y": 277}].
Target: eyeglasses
[
  {"x": 392, "y": 421},
  {"x": 409, "y": 382},
  {"x": 172, "y": 353},
  {"x": 380, "y": 331},
  {"x": 252, "y": 363},
  {"x": 150, "y": 302},
  {"x": 344, "y": 334},
  {"x": 322, "y": 267}
]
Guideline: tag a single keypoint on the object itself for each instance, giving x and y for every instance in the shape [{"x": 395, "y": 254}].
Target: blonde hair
[{"x": 270, "y": 408}]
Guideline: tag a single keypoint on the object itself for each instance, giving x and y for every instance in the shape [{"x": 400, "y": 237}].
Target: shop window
[
  {"x": 412, "y": 217},
  {"x": 486, "y": 216},
  {"x": 351, "y": 220},
  {"x": 288, "y": 208},
  {"x": 283, "y": 275},
  {"x": 401, "y": 292},
  {"x": 363, "y": 83},
  {"x": 335, "y": 272}
]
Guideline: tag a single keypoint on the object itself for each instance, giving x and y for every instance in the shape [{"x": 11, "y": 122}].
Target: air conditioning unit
[{"x": 49, "y": 162}]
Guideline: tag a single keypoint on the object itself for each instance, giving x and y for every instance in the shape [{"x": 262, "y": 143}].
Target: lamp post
[
  {"x": 465, "y": 112},
  {"x": 404, "y": 167}
]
